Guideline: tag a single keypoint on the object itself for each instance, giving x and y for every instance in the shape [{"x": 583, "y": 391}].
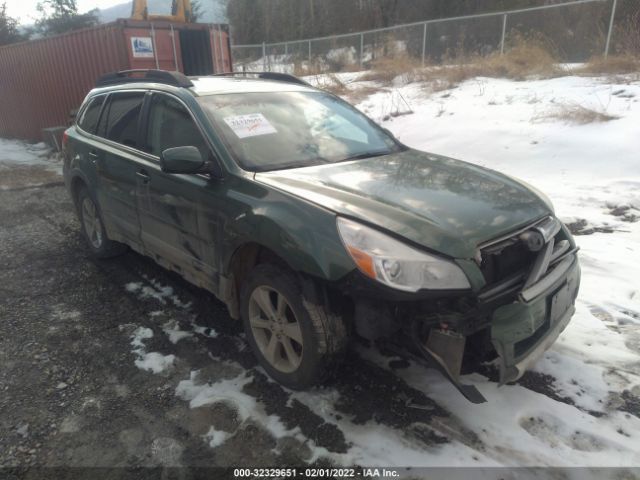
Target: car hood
[{"x": 442, "y": 204}]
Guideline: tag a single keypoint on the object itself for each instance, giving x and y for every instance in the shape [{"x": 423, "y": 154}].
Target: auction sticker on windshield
[{"x": 250, "y": 125}]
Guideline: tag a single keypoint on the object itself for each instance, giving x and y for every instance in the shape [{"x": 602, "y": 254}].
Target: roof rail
[
  {"x": 280, "y": 77},
  {"x": 176, "y": 79}
]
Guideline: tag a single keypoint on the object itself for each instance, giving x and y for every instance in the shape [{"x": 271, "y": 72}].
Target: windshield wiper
[
  {"x": 290, "y": 165},
  {"x": 361, "y": 156}
]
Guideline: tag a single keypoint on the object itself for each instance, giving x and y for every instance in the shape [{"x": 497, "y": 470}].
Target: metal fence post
[
  {"x": 361, "y": 49},
  {"x": 173, "y": 44},
  {"x": 504, "y": 32},
  {"x": 309, "y": 53},
  {"x": 264, "y": 57},
  {"x": 153, "y": 44},
  {"x": 613, "y": 16},
  {"x": 424, "y": 43},
  {"x": 286, "y": 48}
]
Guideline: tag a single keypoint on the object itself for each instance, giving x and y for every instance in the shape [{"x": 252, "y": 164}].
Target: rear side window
[
  {"x": 171, "y": 125},
  {"x": 120, "y": 119},
  {"x": 89, "y": 120}
]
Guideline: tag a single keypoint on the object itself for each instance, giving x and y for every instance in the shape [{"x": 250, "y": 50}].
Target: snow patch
[
  {"x": 229, "y": 392},
  {"x": 155, "y": 362},
  {"x": 215, "y": 438},
  {"x": 156, "y": 290},
  {"x": 172, "y": 330},
  {"x": 583, "y": 383},
  {"x": 152, "y": 362},
  {"x": 141, "y": 333},
  {"x": 205, "y": 331},
  {"x": 520, "y": 427},
  {"x": 376, "y": 444},
  {"x": 15, "y": 152}
]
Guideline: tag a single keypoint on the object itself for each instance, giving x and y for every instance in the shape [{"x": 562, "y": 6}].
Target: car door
[
  {"x": 88, "y": 147},
  {"x": 170, "y": 205},
  {"x": 117, "y": 163}
]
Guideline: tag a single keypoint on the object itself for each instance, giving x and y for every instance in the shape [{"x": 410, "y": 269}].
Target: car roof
[{"x": 203, "y": 86}]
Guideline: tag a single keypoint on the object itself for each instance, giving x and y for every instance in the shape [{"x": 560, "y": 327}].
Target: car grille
[
  {"x": 511, "y": 256},
  {"x": 500, "y": 264}
]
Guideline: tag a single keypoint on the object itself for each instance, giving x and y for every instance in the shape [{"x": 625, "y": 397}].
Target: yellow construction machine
[{"x": 180, "y": 11}]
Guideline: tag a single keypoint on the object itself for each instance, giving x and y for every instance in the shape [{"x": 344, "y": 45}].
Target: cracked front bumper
[{"x": 523, "y": 330}]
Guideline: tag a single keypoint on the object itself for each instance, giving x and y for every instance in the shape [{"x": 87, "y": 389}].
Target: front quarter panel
[{"x": 304, "y": 235}]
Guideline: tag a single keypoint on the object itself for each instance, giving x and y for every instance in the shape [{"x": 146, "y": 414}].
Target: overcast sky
[{"x": 25, "y": 10}]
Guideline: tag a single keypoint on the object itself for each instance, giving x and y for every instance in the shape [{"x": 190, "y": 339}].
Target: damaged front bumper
[
  {"x": 512, "y": 322},
  {"x": 522, "y": 331}
]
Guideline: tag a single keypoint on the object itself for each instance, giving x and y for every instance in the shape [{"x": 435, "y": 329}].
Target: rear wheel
[
  {"x": 93, "y": 228},
  {"x": 295, "y": 341}
]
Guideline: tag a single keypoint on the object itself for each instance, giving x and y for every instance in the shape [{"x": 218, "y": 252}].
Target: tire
[
  {"x": 93, "y": 228},
  {"x": 314, "y": 348}
]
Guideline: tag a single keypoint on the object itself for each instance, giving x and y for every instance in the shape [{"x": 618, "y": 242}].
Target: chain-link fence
[{"x": 572, "y": 31}]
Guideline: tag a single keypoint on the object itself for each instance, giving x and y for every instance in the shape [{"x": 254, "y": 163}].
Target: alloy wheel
[
  {"x": 91, "y": 222},
  {"x": 275, "y": 329}
]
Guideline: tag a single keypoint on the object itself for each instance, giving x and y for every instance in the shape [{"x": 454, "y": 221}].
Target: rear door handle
[
  {"x": 143, "y": 175},
  {"x": 93, "y": 156}
]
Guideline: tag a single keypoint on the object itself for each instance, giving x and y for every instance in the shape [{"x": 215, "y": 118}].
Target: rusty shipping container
[{"x": 43, "y": 80}]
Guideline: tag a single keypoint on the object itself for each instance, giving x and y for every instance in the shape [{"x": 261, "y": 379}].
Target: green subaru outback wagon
[{"x": 314, "y": 225}]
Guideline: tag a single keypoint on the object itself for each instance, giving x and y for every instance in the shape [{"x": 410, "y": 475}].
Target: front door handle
[{"x": 143, "y": 176}]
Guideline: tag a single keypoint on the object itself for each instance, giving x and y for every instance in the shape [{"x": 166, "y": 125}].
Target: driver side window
[{"x": 170, "y": 125}]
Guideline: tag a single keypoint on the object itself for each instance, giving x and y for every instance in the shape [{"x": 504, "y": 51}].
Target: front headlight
[{"x": 395, "y": 264}]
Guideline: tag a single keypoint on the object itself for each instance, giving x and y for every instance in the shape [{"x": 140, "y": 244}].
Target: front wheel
[{"x": 295, "y": 341}]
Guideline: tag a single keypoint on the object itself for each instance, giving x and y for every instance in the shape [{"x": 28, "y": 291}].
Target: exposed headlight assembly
[{"x": 395, "y": 264}]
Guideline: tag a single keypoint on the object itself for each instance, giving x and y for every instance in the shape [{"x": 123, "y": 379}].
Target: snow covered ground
[
  {"x": 591, "y": 173},
  {"x": 15, "y": 152},
  {"x": 579, "y": 406},
  {"x": 26, "y": 165}
]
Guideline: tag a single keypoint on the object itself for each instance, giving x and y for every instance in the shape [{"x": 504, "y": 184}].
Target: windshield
[{"x": 277, "y": 130}]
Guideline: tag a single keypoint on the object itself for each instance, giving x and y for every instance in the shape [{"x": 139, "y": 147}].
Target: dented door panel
[
  {"x": 170, "y": 208},
  {"x": 116, "y": 193}
]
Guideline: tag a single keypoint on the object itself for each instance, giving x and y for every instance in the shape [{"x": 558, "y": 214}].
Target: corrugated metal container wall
[
  {"x": 164, "y": 56},
  {"x": 43, "y": 80},
  {"x": 221, "y": 46}
]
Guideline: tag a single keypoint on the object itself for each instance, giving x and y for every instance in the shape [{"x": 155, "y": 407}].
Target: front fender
[
  {"x": 308, "y": 244},
  {"x": 302, "y": 234}
]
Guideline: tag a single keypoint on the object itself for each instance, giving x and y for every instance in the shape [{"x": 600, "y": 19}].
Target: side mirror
[{"x": 181, "y": 160}]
